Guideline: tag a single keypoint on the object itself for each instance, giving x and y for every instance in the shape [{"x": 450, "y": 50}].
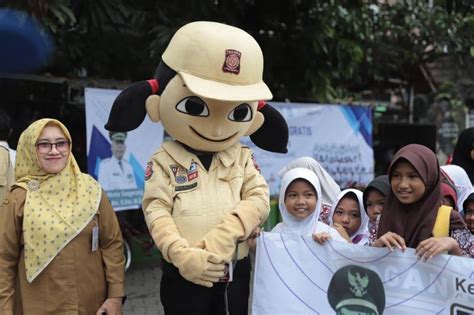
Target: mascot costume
[{"x": 204, "y": 194}]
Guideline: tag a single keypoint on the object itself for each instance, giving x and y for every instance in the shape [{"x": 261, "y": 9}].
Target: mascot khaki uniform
[{"x": 204, "y": 194}]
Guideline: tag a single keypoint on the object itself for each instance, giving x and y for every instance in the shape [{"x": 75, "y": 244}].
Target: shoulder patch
[
  {"x": 254, "y": 160},
  {"x": 149, "y": 170}
]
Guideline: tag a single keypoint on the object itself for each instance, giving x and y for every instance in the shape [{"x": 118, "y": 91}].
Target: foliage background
[{"x": 314, "y": 50}]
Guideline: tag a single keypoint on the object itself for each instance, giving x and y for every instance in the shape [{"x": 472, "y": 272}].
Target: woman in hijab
[
  {"x": 463, "y": 154},
  {"x": 60, "y": 239},
  {"x": 329, "y": 188},
  {"x": 412, "y": 207}
]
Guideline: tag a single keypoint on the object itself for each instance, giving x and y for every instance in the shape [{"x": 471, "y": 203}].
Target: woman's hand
[
  {"x": 433, "y": 246},
  {"x": 342, "y": 231},
  {"x": 390, "y": 240},
  {"x": 321, "y": 237},
  {"x": 111, "y": 306}
]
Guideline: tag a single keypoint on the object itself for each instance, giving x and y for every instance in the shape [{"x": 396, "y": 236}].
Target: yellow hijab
[{"x": 57, "y": 207}]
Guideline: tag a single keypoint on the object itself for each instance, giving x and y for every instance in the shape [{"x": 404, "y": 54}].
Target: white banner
[
  {"x": 337, "y": 136},
  {"x": 123, "y": 182},
  {"x": 293, "y": 273}
]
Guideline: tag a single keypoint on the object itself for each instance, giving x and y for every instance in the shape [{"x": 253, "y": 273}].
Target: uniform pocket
[{"x": 188, "y": 200}]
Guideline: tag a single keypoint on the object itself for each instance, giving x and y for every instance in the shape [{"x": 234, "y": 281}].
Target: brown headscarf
[{"x": 414, "y": 222}]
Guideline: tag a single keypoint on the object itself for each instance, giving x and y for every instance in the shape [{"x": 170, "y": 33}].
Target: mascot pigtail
[
  {"x": 273, "y": 134},
  {"x": 128, "y": 110}
]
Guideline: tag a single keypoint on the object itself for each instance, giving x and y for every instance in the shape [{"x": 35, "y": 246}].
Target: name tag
[{"x": 95, "y": 238}]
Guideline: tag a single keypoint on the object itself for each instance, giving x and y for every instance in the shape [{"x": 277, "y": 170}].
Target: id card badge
[
  {"x": 95, "y": 238},
  {"x": 228, "y": 273}
]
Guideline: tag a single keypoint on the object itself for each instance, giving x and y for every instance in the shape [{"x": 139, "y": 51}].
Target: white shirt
[
  {"x": 10, "y": 150},
  {"x": 112, "y": 176}
]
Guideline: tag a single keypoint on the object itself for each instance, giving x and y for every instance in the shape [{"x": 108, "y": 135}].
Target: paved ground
[{"x": 142, "y": 286}]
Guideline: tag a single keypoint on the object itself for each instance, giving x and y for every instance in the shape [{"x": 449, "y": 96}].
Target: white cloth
[
  {"x": 361, "y": 236},
  {"x": 329, "y": 188},
  {"x": 10, "y": 150},
  {"x": 309, "y": 225},
  {"x": 459, "y": 178},
  {"x": 113, "y": 177}
]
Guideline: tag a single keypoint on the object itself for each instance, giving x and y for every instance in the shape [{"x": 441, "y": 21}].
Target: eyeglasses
[{"x": 45, "y": 147}]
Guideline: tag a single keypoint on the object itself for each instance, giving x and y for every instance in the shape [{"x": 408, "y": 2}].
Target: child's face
[
  {"x": 469, "y": 215},
  {"x": 347, "y": 214},
  {"x": 300, "y": 199},
  {"x": 406, "y": 183},
  {"x": 374, "y": 204}
]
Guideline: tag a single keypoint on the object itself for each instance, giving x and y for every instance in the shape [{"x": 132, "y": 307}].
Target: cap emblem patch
[{"x": 232, "y": 61}]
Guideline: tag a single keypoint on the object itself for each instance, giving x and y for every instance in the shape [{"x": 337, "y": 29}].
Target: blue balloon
[{"x": 26, "y": 45}]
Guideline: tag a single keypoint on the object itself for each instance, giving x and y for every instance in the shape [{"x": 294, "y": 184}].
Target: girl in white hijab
[
  {"x": 329, "y": 188},
  {"x": 301, "y": 217},
  {"x": 348, "y": 216}
]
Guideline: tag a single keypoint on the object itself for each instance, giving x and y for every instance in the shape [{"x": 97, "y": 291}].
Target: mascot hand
[
  {"x": 197, "y": 266},
  {"x": 236, "y": 226}
]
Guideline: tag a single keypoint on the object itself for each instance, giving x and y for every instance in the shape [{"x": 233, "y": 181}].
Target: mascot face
[
  {"x": 202, "y": 123},
  {"x": 206, "y": 92}
]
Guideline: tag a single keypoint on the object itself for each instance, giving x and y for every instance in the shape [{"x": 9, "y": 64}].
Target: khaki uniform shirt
[
  {"x": 77, "y": 281},
  {"x": 179, "y": 186}
]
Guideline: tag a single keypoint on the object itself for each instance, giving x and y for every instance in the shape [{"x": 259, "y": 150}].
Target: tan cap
[{"x": 218, "y": 61}]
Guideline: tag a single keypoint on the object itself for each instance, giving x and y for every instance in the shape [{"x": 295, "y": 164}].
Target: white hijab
[
  {"x": 311, "y": 224},
  {"x": 459, "y": 178},
  {"x": 329, "y": 188},
  {"x": 363, "y": 232},
  {"x": 290, "y": 224}
]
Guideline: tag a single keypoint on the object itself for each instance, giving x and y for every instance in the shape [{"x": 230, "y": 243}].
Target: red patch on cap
[{"x": 232, "y": 61}]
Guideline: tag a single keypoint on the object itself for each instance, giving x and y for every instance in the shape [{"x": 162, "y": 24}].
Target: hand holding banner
[{"x": 293, "y": 273}]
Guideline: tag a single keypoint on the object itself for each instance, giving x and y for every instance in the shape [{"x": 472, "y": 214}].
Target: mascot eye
[
  {"x": 241, "y": 113},
  {"x": 193, "y": 106}
]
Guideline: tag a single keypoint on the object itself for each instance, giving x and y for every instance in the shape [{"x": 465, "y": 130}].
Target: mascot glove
[
  {"x": 197, "y": 265},
  {"x": 236, "y": 226}
]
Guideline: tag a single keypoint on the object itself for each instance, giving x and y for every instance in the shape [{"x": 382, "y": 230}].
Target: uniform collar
[{"x": 184, "y": 157}]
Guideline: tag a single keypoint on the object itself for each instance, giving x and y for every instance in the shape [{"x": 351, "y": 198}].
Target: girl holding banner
[{"x": 414, "y": 216}]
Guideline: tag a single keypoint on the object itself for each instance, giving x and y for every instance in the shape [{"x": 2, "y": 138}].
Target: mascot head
[{"x": 207, "y": 91}]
